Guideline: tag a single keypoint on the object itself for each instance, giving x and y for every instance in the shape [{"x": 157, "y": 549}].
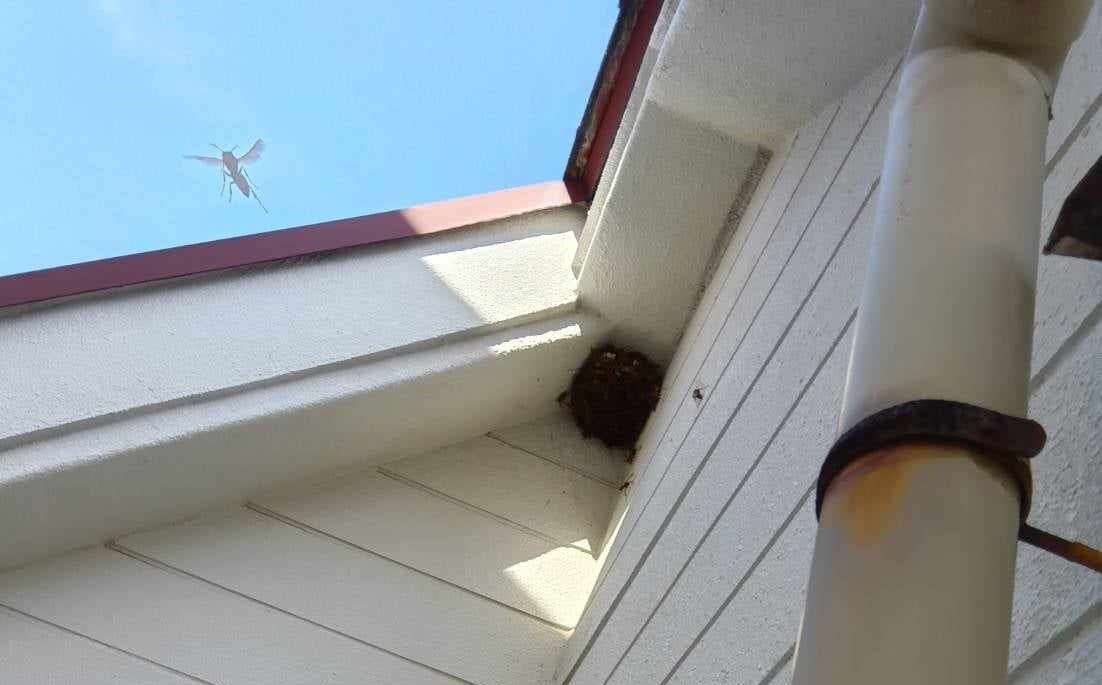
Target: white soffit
[{"x": 757, "y": 69}]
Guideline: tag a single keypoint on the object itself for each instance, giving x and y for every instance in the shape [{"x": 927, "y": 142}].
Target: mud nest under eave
[{"x": 613, "y": 393}]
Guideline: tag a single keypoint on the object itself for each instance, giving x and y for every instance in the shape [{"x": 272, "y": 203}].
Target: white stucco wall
[
  {"x": 756, "y": 69},
  {"x": 113, "y": 352},
  {"x": 659, "y": 226},
  {"x": 704, "y": 580},
  {"x": 623, "y": 133},
  {"x": 112, "y": 477},
  {"x": 723, "y": 84}
]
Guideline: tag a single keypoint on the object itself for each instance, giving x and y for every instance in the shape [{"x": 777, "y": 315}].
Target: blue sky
[{"x": 364, "y": 106}]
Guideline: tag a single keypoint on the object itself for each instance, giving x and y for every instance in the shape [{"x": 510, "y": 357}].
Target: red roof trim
[
  {"x": 612, "y": 92},
  {"x": 228, "y": 253}
]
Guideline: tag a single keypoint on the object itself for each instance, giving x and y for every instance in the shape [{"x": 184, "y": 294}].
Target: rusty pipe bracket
[{"x": 1007, "y": 440}]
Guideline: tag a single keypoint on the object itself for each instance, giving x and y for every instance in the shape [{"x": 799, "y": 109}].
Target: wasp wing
[
  {"x": 253, "y": 154},
  {"x": 209, "y": 161}
]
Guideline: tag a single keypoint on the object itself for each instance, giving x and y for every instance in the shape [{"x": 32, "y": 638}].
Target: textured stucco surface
[
  {"x": 627, "y": 123},
  {"x": 97, "y": 356},
  {"x": 154, "y": 467},
  {"x": 136, "y": 407},
  {"x": 726, "y": 80},
  {"x": 757, "y": 70},
  {"x": 659, "y": 226}
]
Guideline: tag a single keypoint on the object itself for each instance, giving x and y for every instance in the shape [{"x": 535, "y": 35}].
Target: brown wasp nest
[{"x": 612, "y": 394}]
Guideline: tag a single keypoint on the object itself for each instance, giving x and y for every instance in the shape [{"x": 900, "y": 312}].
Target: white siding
[
  {"x": 465, "y": 547},
  {"x": 556, "y": 439},
  {"x": 192, "y": 626},
  {"x": 704, "y": 581},
  {"x": 565, "y": 506},
  {"x": 29, "y": 649},
  {"x": 439, "y": 568},
  {"x": 1075, "y": 657}
]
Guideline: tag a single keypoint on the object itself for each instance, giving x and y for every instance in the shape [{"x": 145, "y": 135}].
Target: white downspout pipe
[{"x": 913, "y": 569}]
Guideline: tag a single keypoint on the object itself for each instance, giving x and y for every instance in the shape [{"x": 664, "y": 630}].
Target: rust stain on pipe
[{"x": 870, "y": 490}]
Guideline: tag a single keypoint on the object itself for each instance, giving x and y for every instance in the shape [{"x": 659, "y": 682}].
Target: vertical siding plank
[
  {"x": 756, "y": 628},
  {"x": 735, "y": 269},
  {"x": 714, "y": 304},
  {"x": 1080, "y": 83},
  {"x": 745, "y": 528},
  {"x": 814, "y": 336},
  {"x": 1050, "y": 594},
  {"x": 695, "y": 484},
  {"x": 790, "y": 174},
  {"x": 655, "y": 454}
]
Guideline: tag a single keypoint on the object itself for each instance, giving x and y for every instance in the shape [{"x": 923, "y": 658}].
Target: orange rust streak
[
  {"x": 869, "y": 491},
  {"x": 1075, "y": 552}
]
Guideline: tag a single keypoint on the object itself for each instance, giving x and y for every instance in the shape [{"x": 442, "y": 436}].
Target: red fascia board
[
  {"x": 614, "y": 91},
  {"x": 228, "y": 253}
]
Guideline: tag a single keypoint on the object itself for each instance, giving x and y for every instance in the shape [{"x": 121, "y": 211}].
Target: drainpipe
[{"x": 921, "y": 499}]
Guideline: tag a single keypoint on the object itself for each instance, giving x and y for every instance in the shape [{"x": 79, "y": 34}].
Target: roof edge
[{"x": 257, "y": 248}]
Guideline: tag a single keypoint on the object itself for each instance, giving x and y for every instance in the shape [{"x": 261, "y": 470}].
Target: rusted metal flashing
[{"x": 609, "y": 98}]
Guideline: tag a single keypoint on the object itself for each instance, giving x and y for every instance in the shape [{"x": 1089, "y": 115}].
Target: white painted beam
[
  {"x": 150, "y": 468},
  {"x": 659, "y": 227},
  {"x": 184, "y": 340}
]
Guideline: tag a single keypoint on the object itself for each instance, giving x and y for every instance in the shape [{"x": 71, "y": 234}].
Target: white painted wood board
[
  {"x": 446, "y": 540},
  {"x": 359, "y": 594},
  {"x": 34, "y": 653},
  {"x": 558, "y": 502},
  {"x": 193, "y": 627},
  {"x": 556, "y": 438}
]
